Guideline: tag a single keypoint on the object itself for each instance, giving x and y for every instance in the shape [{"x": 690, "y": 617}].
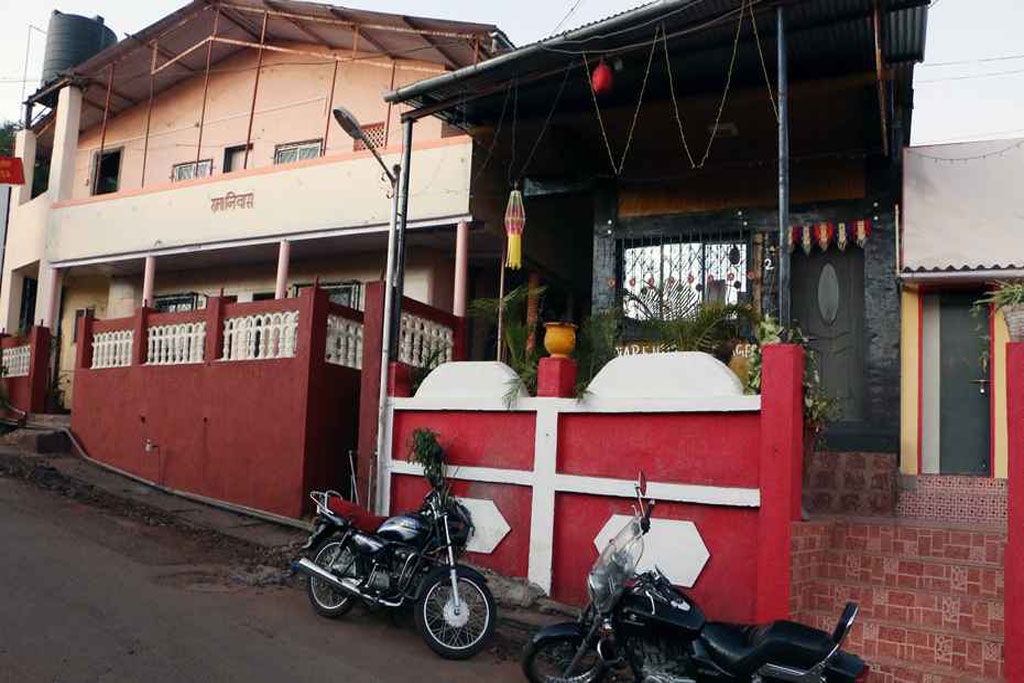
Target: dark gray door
[
  {"x": 828, "y": 305},
  {"x": 963, "y": 388}
]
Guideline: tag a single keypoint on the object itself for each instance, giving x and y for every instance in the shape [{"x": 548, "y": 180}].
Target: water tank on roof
[{"x": 70, "y": 40}]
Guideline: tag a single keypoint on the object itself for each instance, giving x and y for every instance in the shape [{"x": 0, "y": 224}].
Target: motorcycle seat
[
  {"x": 358, "y": 516},
  {"x": 742, "y": 650}
]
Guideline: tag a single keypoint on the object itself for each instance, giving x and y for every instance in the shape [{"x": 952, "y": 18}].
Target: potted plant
[
  {"x": 1008, "y": 297},
  {"x": 560, "y": 339},
  {"x": 425, "y": 450}
]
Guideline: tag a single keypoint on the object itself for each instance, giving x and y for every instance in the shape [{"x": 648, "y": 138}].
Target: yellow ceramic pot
[{"x": 559, "y": 339}]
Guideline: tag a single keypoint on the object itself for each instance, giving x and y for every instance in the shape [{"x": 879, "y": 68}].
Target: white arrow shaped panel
[
  {"x": 490, "y": 526},
  {"x": 675, "y": 546}
]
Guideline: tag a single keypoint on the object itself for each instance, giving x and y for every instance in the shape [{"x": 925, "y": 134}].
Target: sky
[{"x": 970, "y": 87}]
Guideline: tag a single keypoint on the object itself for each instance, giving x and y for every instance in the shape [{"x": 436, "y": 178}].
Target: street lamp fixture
[
  {"x": 392, "y": 297},
  {"x": 350, "y": 125}
]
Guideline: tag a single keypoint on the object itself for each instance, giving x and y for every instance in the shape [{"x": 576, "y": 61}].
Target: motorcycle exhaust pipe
[{"x": 310, "y": 568}]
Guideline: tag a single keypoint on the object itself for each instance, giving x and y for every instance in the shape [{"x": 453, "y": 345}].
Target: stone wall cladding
[{"x": 977, "y": 500}]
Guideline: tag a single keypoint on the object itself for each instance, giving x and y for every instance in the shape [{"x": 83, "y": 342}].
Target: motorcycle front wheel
[
  {"x": 456, "y": 631},
  {"x": 327, "y": 600},
  {"x": 547, "y": 661}
]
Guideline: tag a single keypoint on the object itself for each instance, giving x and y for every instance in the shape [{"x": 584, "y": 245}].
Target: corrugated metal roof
[
  {"x": 449, "y": 44},
  {"x": 825, "y": 37}
]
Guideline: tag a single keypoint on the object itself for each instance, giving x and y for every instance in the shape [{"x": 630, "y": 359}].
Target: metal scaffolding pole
[
  {"x": 785, "y": 316},
  {"x": 149, "y": 112},
  {"x": 206, "y": 89},
  {"x": 255, "y": 88}
]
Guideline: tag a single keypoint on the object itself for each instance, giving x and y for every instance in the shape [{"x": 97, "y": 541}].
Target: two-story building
[{"x": 200, "y": 156}]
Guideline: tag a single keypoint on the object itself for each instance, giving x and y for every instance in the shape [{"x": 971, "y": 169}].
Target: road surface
[{"x": 86, "y": 595}]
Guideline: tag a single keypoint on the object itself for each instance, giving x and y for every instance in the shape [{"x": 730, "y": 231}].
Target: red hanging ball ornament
[{"x": 601, "y": 79}]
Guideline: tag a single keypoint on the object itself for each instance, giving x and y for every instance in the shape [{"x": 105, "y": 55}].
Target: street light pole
[{"x": 349, "y": 124}]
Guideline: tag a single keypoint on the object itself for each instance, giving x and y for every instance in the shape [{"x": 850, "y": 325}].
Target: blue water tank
[{"x": 70, "y": 40}]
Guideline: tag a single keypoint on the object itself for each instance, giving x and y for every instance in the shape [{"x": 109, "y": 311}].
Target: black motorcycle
[
  {"x": 641, "y": 622},
  {"x": 408, "y": 559}
]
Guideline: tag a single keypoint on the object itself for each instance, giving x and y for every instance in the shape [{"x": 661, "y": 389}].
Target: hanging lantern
[
  {"x": 632, "y": 282},
  {"x": 515, "y": 221},
  {"x": 862, "y": 231},
  {"x": 842, "y": 236},
  {"x": 734, "y": 255},
  {"x": 690, "y": 278},
  {"x": 601, "y": 79},
  {"x": 794, "y": 237},
  {"x": 806, "y": 240},
  {"x": 823, "y": 233}
]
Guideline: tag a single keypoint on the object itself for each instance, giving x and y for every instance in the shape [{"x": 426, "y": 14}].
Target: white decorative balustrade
[
  {"x": 112, "y": 349},
  {"x": 16, "y": 361},
  {"x": 261, "y": 336},
  {"x": 423, "y": 342},
  {"x": 344, "y": 342},
  {"x": 176, "y": 344}
]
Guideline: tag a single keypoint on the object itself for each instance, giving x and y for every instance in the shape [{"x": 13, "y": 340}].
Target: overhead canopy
[
  {"x": 180, "y": 41},
  {"x": 826, "y": 38},
  {"x": 963, "y": 207}
]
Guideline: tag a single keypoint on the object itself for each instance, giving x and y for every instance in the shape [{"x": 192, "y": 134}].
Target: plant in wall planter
[
  {"x": 426, "y": 451},
  {"x": 1008, "y": 297}
]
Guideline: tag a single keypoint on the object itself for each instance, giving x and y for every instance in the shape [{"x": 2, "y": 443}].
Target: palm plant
[{"x": 515, "y": 332}]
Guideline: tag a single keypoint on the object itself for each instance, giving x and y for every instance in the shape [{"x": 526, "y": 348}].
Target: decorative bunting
[
  {"x": 862, "y": 231},
  {"x": 825, "y": 233}
]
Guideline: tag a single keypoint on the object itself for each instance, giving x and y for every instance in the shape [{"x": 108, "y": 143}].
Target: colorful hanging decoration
[
  {"x": 862, "y": 231},
  {"x": 601, "y": 79},
  {"x": 823, "y": 233},
  {"x": 515, "y": 221},
  {"x": 842, "y": 236}
]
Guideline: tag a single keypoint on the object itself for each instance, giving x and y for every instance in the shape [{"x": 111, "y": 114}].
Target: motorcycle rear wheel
[
  {"x": 327, "y": 600},
  {"x": 546, "y": 662}
]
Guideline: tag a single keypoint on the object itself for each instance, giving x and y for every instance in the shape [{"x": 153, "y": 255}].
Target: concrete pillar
[
  {"x": 461, "y": 269},
  {"x": 284, "y": 252},
  {"x": 65, "y": 144},
  {"x": 148, "y": 278},
  {"x": 24, "y": 149},
  {"x": 48, "y": 296}
]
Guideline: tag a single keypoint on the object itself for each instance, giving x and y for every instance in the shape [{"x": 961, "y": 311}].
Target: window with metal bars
[
  {"x": 376, "y": 133},
  {"x": 188, "y": 170},
  {"x": 297, "y": 151},
  {"x": 664, "y": 277}
]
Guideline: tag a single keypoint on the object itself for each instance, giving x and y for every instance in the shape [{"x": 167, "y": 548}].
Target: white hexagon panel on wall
[
  {"x": 490, "y": 526},
  {"x": 674, "y": 546}
]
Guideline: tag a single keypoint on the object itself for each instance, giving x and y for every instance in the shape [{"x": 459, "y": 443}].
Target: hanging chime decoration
[
  {"x": 823, "y": 233},
  {"x": 515, "y": 221},
  {"x": 862, "y": 231},
  {"x": 601, "y": 78}
]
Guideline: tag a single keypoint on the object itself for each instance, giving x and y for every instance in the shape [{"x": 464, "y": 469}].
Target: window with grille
[
  {"x": 179, "y": 303},
  {"x": 297, "y": 151},
  {"x": 376, "y": 133},
  {"x": 349, "y": 293},
  {"x": 188, "y": 171},
  {"x": 665, "y": 277}
]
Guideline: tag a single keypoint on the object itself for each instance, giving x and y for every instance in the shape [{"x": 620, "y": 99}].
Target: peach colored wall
[{"x": 291, "y": 106}]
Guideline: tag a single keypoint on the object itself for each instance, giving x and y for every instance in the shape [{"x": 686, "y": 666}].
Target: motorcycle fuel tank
[
  {"x": 411, "y": 529},
  {"x": 672, "y": 610}
]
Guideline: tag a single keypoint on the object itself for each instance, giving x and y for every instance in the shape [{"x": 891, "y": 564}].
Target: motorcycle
[
  {"x": 643, "y": 623},
  {"x": 407, "y": 559}
]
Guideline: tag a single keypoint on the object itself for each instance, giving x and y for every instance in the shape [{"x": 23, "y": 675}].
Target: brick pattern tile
[
  {"x": 959, "y": 653},
  {"x": 852, "y": 483},
  {"x": 908, "y": 574},
  {"x": 920, "y": 542},
  {"x": 934, "y": 611},
  {"x": 950, "y": 498}
]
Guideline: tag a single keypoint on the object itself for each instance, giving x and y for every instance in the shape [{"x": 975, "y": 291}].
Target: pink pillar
[
  {"x": 461, "y": 269},
  {"x": 780, "y": 467},
  {"x": 1013, "y": 562},
  {"x": 148, "y": 278},
  {"x": 284, "y": 252}
]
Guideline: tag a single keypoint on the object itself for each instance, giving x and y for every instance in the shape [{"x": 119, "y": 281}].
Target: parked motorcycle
[
  {"x": 408, "y": 559},
  {"x": 643, "y": 623}
]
